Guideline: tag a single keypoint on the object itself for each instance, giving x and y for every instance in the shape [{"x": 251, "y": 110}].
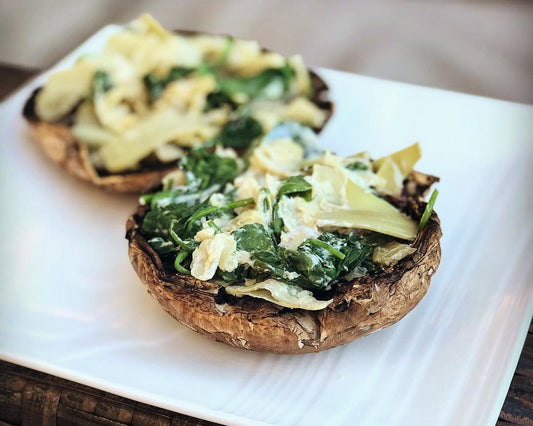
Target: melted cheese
[
  {"x": 63, "y": 90},
  {"x": 282, "y": 158},
  {"x": 299, "y": 221},
  {"x": 187, "y": 94},
  {"x": 270, "y": 113},
  {"x": 219, "y": 251}
]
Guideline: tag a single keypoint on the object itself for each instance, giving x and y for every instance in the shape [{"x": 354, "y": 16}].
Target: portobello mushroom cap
[
  {"x": 367, "y": 304},
  {"x": 63, "y": 148}
]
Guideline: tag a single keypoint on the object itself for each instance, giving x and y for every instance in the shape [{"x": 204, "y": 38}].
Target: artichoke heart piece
[
  {"x": 392, "y": 178},
  {"x": 391, "y": 253},
  {"x": 367, "y": 211},
  {"x": 63, "y": 90},
  {"x": 157, "y": 129},
  {"x": 280, "y": 293},
  {"x": 405, "y": 159},
  {"x": 393, "y": 224}
]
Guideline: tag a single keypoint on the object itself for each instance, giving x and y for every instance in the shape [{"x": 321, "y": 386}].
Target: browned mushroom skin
[
  {"x": 359, "y": 308},
  {"x": 60, "y": 146}
]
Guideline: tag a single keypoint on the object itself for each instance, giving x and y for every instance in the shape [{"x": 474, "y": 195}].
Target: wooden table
[{"x": 29, "y": 397}]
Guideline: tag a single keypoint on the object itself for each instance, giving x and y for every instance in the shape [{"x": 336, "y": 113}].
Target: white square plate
[{"x": 71, "y": 304}]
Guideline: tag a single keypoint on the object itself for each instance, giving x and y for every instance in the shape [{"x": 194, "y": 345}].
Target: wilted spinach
[
  {"x": 218, "y": 99},
  {"x": 272, "y": 83},
  {"x": 204, "y": 169},
  {"x": 295, "y": 186},
  {"x": 240, "y": 132},
  {"x": 101, "y": 83},
  {"x": 313, "y": 265},
  {"x": 357, "y": 165},
  {"x": 156, "y": 85}
]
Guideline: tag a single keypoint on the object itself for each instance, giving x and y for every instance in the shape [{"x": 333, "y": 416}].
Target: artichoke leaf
[
  {"x": 280, "y": 293},
  {"x": 155, "y": 130},
  {"x": 405, "y": 159},
  {"x": 392, "y": 178},
  {"x": 391, "y": 253},
  {"x": 395, "y": 225},
  {"x": 63, "y": 90}
]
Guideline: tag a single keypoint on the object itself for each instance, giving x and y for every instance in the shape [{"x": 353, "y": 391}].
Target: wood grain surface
[{"x": 29, "y": 397}]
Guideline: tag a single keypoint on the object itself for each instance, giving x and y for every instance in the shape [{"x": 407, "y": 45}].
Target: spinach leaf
[
  {"x": 204, "y": 169},
  {"x": 162, "y": 247},
  {"x": 101, "y": 83},
  {"x": 277, "y": 220},
  {"x": 314, "y": 262},
  {"x": 355, "y": 253},
  {"x": 217, "y": 99},
  {"x": 253, "y": 237},
  {"x": 177, "y": 73},
  {"x": 157, "y": 223},
  {"x": 257, "y": 240},
  {"x": 295, "y": 186},
  {"x": 212, "y": 212},
  {"x": 156, "y": 85},
  {"x": 264, "y": 202},
  {"x": 240, "y": 132},
  {"x": 235, "y": 277},
  {"x": 357, "y": 165},
  {"x": 272, "y": 83}
]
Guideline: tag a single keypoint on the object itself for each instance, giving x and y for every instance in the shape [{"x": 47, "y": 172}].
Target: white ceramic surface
[{"x": 71, "y": 304}]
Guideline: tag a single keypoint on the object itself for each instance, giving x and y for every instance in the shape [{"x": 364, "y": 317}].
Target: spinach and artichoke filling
[
  {"x": 286, "y": 224},
  {"x": 153, "y": 94}
]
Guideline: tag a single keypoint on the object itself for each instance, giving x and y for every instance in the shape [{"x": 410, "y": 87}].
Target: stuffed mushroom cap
[
  {"x": 57, "y": 139},
  {"x": 360, "y": 307}
]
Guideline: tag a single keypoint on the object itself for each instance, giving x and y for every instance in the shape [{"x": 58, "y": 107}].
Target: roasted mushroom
[{"x": 357, "y": 306}]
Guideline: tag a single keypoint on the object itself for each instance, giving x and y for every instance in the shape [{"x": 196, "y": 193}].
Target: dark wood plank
[
  {"x": 30, "y": 397},
  {"x": 12, "y": 77},
  {"x": 41, "y": 398}
]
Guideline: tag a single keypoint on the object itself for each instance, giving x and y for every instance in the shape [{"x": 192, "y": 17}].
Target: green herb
[
  {"x": 240, "y": 132},
  {"x": 427, "y": 211}
]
